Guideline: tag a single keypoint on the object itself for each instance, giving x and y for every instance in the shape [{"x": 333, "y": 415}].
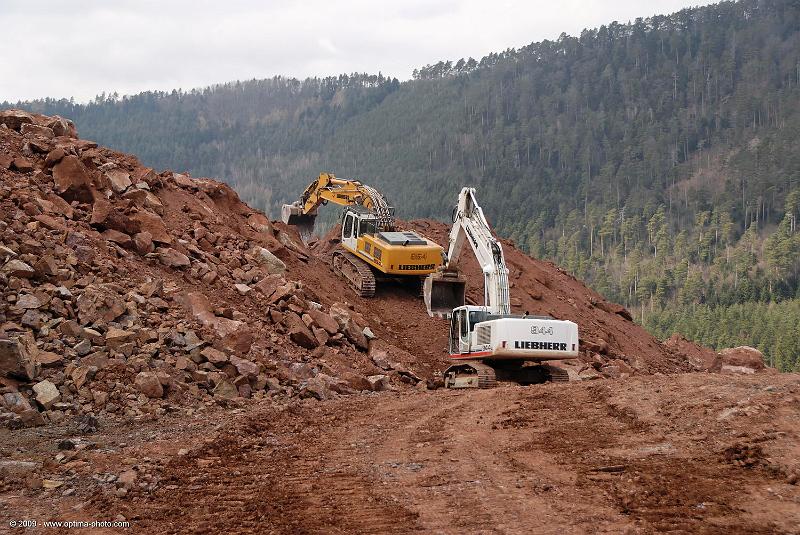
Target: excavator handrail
[{"x": 345, "y": 192}]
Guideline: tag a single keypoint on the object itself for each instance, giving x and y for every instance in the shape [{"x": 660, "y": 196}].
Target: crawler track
[{"x": 356, "y": 271}]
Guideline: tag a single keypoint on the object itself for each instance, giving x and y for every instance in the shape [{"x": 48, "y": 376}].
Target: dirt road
[{"x": 694, "y": 453}]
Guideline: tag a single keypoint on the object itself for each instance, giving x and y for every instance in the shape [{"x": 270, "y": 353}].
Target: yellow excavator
[{"x": 372, "y": 248}]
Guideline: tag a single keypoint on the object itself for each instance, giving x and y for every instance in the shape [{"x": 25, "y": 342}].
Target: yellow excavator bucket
[
  {"x": 443, "y": 292},
  {"x": 292, "y": 214}
]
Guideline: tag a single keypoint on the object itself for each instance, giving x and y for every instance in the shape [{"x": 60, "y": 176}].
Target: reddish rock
[
  {"x": 324, "y": 320},
  {"x": 106, "y": 216},
  {"x": 378, "y": 383},
  {"x": 14, "y": 119},
  {"x": 149, "y": 384},
  {"x": 46, "y": 393},
  {"x": 298, "y": 332},
  {"x": 18, "y": 268},
  {"x": 700, "y": 357},
  {"x": 214, "y": 356},
  {"x": 269, "y": 284},
  {"x": 119, "y": 179},
  {"x": 143, "y": 242},
  {"x": 39, "y": 145},
  {"x": 235, "y": 335},
  {"x": 54, "y": 156},
  {"x": 615, "y": 308},
  {"x": 5, "y": 161},
  {"x": 742, "y": 356},
  {"x": 48, "y": 359},
  {"x": 226, "y": 390},
  {"x": 99, "y": 303},
  {"x": 46, "y": 267},
  {"x": 62, "y": 127},
  {"x": 120, "y": 238},
  {"x": 172, "y": 258},
  {"x": 321, "y": 335},
  {"x": 36, "y": 130},
  {"x": 355, "y": 334},
  {"x": 22, "y": 164},
  {"x": 244, "y": 366},
  {"x": 259, "y": 223},
  {"x": 116, "y": 337},
  {"x": 152, "y": 223},
  {"x": 18, "y": 358},
  {"x": 73, "y": 180}
]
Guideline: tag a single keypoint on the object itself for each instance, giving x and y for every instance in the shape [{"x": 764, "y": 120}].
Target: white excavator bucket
[{"x": 443, "y": 292}]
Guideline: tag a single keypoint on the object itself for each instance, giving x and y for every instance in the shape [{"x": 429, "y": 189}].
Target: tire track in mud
[{"x": 636, "y": 456}]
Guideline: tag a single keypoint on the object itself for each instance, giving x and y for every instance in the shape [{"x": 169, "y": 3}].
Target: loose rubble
[{"x": 126, "y": 292}]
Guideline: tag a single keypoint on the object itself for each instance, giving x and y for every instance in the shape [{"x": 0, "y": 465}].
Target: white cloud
[{"x": 81, "y": 48}]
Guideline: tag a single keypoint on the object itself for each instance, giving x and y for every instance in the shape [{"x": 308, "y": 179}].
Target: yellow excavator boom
[{"x": 345, "y": 192}]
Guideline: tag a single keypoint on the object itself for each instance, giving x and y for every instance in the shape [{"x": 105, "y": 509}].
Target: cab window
[
  {"x": 464, "y": 326},
  {"x": 348, "y": 226},
  {"x": 367, "y": 226},
  {"x": 476, "y": 317},
  {"x": 454, "y": 323}
]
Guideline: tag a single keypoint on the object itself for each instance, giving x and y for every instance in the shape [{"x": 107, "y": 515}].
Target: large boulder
[
  {"x": 149, "y": 384},
  {"x": 172, "y": 258},
  {"x": 378, "y": 383},
  {"x": 702, "y": 358},
  {"x": 106, "y": 216},
  {"x": 356, "y": 335},
  {"x": 225, "y": 390},
  {"x": 14, "y": 119},
  {"x": 119, "y": 179},
  {"x": 117, "y": 337},
  {"x": 46, "y": 393},
  {"x": 36, "y": 130},
  {"x": 235, "y": 336},
  {"x": 143, "y": 243},
  {"x": 62, "y": 127},
  {"x": 742, "y": 356},
  {"x": 18, "y": 268},
  {"x": 299, "y": 332},
  {"x": 324, "y": 320},
  {"x": 274, "y": 265},
  {"x": 340, "y": 313},
  {"x": 73, "y": 180},
  {"x": 149, "y": 222},
  {"x": 18, "y": 358},
  {"x": 244, "y": 366},
  {"x": 269, "y": 284},
  {"x": 99, "y": 303}
]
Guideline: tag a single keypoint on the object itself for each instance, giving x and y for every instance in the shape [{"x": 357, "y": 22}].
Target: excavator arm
[
  {"x": 327, "y": 188},
  {"x": 446, "y": 290}
]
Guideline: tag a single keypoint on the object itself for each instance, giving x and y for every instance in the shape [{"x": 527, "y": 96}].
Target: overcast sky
[{"x": 80, "y": 48}]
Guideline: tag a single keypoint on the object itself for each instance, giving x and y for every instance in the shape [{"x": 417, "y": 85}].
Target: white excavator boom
[{"x": 445, "y": 291}]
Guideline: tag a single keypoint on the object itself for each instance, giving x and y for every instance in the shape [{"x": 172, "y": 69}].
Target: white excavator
[{"x": 488, "y": 343}]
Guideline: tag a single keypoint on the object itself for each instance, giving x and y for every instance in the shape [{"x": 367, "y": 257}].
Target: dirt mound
[
  {"x": 700, "y": 356},
  {"x": 127, "y": 292}
]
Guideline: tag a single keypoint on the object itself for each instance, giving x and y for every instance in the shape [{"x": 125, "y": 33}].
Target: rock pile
[{"x": 129, "y": 292}]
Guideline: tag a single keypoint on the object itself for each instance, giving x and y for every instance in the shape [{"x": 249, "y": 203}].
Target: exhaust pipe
[{"x": 443, "y": 292}]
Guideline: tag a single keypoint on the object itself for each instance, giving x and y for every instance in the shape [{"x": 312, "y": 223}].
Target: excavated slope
[{"x": 129, "y": 292}]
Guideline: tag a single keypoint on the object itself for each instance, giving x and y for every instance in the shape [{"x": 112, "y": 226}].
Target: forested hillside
[{"x": 659, "y": 160}]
